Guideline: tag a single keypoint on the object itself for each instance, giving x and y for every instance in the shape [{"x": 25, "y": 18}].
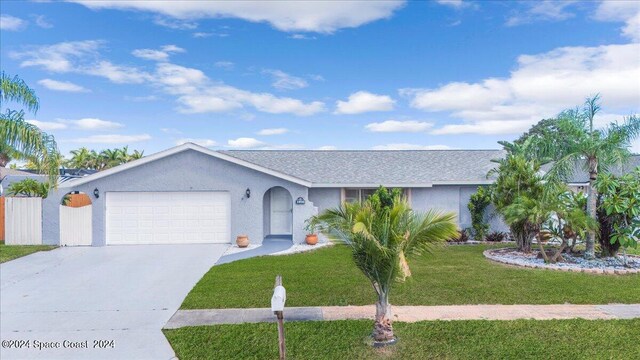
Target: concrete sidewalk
[{"x": 184, "y": 318}]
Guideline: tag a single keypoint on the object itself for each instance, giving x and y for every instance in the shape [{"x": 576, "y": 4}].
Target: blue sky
[{"x": 322, "y": 75}]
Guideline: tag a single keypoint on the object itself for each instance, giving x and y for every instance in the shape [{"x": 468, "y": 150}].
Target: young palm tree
[
  {"x": 595, "y": 149},
  {"x": 25, "y": 140},
  {"x": 383, "y": 238}
]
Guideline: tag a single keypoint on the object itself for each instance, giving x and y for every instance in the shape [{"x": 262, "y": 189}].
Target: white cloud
[
  {"x": 198, "y": 94},
  {"x": 112, "y": 139},
  {"x": 290, "y": 16},
  {"x": 11, "y": 23},
  {"x": 60, "y": 57},
  {"x": 539, "y": 87},
  {"x": 284, "y": 81},
  {"x": 201, "y": 34},
  {"x": 61, "y": 85},
  {"x": 80, "y": 57},
  {"x": 405, "y": 146},
  {"x": 327, "y": 148},
  {"x": 301, "y": 37},
  {"x": 622, "y": 11},
  {"x": 453, "y": 3},
  {"x": 47, "y": 125},
  {"x": 117, "y": 73},
  {"x": 635, "y": 146},
  {"x": 157, "y": 55},
  {"x": 410, "y": 126},
  {"x": 546, "y": 10},
  {"x": 245, "y": 143},
  {"x": 93, "y": 124},
  {"x": 363, "y": 101},
  {"x": 176, "y": 24},
  {"x": 201, "y": 142},
  {"x": 274, "y": 131},
  {"x": 42, "y": 22},
  {"x": 226, "y": 65},
  {"x": 195, "y": 92}
]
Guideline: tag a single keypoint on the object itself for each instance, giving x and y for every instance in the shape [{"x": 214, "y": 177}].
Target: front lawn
[
  {"x": 453, "y": 275},
  {"x": 476, "y": 339},
  {"x": 10, "y": 252}
]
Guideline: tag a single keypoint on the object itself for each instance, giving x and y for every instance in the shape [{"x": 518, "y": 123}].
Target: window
[{"x": 354, "y": 195}]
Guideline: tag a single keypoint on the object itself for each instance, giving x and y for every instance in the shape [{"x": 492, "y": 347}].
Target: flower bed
[{"x": 573, "y": 263}]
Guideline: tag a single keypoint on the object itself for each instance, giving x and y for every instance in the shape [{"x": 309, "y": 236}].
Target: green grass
[
  {"x": 10, "y": 252},
  {"x": 477, "y": 339},
  {"x": 453, "y": 275}
]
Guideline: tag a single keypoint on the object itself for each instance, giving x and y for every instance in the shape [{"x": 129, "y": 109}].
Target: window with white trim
[{"x": 362, "y": 194}]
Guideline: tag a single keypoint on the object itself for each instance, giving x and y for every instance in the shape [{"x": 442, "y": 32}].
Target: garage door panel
[{"x": 167, "y": 217}]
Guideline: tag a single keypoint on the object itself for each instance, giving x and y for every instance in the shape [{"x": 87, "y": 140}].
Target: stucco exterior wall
[
  {"x": 452, "y": 198},
  {"x": 187, "y": 171}
]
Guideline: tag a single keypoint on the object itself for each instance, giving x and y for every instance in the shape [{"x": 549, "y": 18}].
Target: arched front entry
[
  {"x": 278, "y": 212},
  {"x": 75, "y": 219}
]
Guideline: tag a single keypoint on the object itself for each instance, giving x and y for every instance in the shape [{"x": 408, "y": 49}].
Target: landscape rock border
[{"x": 490, "y": 254}]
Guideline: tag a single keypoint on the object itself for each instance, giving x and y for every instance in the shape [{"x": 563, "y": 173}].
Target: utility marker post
[{"x": 277, "y": 306}]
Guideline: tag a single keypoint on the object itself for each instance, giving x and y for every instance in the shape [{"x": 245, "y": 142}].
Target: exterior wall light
[
  {"x": 96, "y": 193},
  {"x": 248, "y": 193}
]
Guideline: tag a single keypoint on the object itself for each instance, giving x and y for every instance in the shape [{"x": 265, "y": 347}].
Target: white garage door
[{"x": 167, "y": 217}]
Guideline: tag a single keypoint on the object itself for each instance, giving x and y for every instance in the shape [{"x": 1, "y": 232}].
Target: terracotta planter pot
[
  {"x": 242, "y": 241},
  {"x": 311, "y": 239}
]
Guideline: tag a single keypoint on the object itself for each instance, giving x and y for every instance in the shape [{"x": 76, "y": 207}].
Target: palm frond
[{"x": 15, "y": 89}]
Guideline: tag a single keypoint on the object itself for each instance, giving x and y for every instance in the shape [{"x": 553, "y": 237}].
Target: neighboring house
[
  {"x": 579, "y": 181},
  {"x": 192, "y": 194},
  {"x": 9, "y": 176}
]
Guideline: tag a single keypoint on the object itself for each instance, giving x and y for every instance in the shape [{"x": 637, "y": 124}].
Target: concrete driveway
[{"x": 97, "y": 302}]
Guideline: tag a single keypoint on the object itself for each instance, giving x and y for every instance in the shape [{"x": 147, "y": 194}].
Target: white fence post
[{"x": 23, "y": 220}]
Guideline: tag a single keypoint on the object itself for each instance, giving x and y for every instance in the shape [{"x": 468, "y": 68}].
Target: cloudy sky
[{"x": 317, "y": 75}]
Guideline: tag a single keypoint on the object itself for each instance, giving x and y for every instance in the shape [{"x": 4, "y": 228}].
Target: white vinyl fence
[
  {"x": 23, "y": 221},
  {"x": 75, "y": 225}
]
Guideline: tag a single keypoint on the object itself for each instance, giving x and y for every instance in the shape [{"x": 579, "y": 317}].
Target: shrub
[
  {"x": 28, "y": 188},
  {"x": 497, "y": 236},
  {"x": 461, "y": 237},
  {"x": 478, "y": 203}
]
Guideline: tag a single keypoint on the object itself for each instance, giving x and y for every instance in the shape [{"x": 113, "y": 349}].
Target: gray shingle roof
[
  {"x": 580, "y": 175},
  {"x": 13, "y": 172},
  {"x": 377, "y": 167}
]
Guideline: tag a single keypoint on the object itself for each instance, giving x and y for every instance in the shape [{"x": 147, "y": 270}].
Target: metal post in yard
[{"x": 277, "y": 306}]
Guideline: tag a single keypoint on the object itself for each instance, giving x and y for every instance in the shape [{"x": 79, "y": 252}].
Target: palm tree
[
  {"x": 135, "y": 155},
  {"x": 22, "y": 139},
  {"x": 383, "y": 237},
  {"x": 595, "y": 149},
  {"x": 517, "y": 176},
  {"x": 81, "y": 159}
]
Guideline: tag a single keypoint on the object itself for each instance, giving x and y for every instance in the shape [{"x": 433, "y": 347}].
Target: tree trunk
[
  {"x": 592, "y": 208},
  {"x": 4, "y": 159},
  {"x": 605, "y": 232},
  {"x": 382, "y": 328},
  {"x": 522, "y": 237}
]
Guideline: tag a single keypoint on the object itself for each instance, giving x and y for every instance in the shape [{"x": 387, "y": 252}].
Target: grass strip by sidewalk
[
  {"x": 10, "y": 252},
  {"x": 476, "y": 339},
  {"x": 454, "y": 275}
]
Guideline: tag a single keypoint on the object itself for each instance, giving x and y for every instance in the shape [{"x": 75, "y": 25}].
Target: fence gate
[
  {"x": 23, "y": 220},
  {"x": 75, "y": 225}
]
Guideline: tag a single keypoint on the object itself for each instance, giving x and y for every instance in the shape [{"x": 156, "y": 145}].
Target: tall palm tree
[
  {"x": 383, "y": 238},
  {"x": 595, "y": 149},
  {"x": 21, "y": 138},
  {"x": 81, "y": 159}
]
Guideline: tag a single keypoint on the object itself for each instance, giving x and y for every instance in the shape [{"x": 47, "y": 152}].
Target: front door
[{"x": 281, "y": 212}]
